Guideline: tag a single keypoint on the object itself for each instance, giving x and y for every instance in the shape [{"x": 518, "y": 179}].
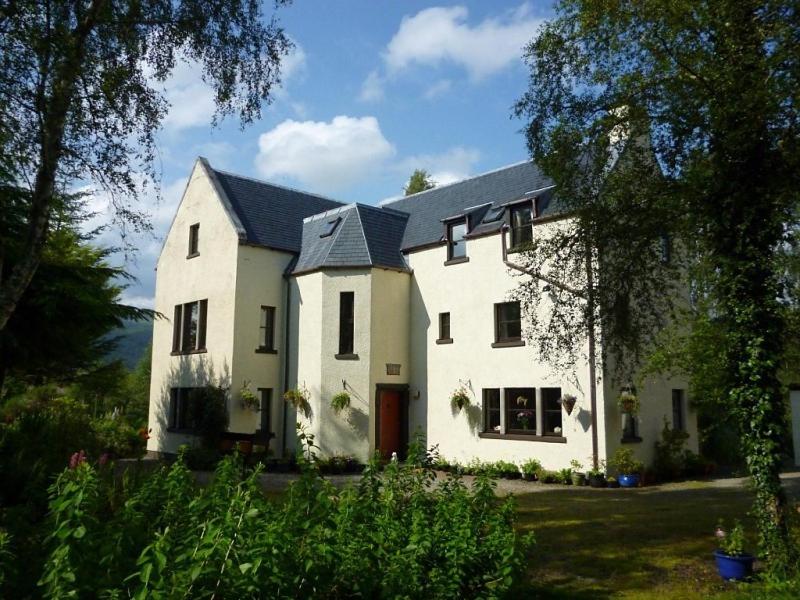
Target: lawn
[{"x": 642, "y": 543}]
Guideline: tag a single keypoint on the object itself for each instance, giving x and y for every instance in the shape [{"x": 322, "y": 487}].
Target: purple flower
[
  {"x": 104, "y": 457},
  {"x": 76, "y": 459}
]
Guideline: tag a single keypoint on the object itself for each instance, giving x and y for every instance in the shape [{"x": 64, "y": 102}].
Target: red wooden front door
[{"x": 389, "y": 423}]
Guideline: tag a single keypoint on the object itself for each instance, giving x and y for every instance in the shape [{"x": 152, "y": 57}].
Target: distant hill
[{"x": 132, "y": 341}]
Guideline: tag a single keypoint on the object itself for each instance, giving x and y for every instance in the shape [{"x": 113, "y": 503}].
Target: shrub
[
  {"x": 117, "y": 438},
  {"x": 546, "y": 476},
  {"x": 532, "y": 467},
  {"x": 565, "y": 476},
  {"x": 669, "y": 461},
  {"x": 209, "y": 413},
  {"x": 507, "y": 469},
  {"x": 200, "y": 458},
  {"x": 390, "y": 536},
  {"x": 625, "y": 463}
]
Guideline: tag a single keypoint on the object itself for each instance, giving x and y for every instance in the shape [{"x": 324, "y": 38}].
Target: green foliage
[
  {"x": 628, "y": 402},
  {"x": 209, "y": 413},
  {"x": 298, "y": 398},
  {"x": 116, "y": 437},
  {"x": 672, "y": 459},
  {"x": 731, "y": 541},
  {"x": 667, "y": 119},
  {"x": 340, "y": 402},
  {"x": 392, "y": 535},
  {"x": 249, "y": 399},
  {"x": 531, "y": 467},
  {"x": 459, "y": 399},
  {"x": 419, "y": 181},
  {"x": 625, "y": 463}
]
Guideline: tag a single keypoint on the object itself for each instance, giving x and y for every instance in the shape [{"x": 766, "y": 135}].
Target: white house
[{"x": 399, "y": 305}]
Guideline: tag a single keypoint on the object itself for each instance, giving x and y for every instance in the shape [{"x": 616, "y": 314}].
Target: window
[
  {"x": 456, "y": 244},
  {"x": 265, "y": 395},
  {"x": 678, "y": 420},
  {"x": 521, "y": 224},
  {"x": 491, "y": 410},
  {"x": 666, "y": 248},
  {"x": 508, "y": 327},
  {"x": 194, "y": 240},
  {"x": 189, "y": 327},
  {"x": 330, "y": 227},
  {"x": 266, "y": 332},
  {"x": 346, "y": 323},
  {"x": 181, "y": 416},
  {"x": 444, "y": 326},
  {"x": 494, "y": 214},
  {"x": 521, "y": 410},
  {"x": 551, "y": 407}
]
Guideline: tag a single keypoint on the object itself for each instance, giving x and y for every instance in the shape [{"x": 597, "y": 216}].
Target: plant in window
[
  {"x": 522, "y": 401},
  {"x": 568, "y": 402},
  {"x": 557, "y": 430},
  {"x": 628, "y": 403},
  {"x": 249, "y": 399},
  {"x": 460, "y": 398},
  {"x": 340, "y": 401},
  {"x": 525, "y": 417},
  {"x": 298, "y": 397}
]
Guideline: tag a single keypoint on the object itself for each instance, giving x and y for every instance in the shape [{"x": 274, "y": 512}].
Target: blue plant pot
[
  {"x": 734, "y": 568},
  {"x": 628, "y": 480}
]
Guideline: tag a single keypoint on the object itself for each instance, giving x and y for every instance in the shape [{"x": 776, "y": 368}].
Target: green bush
[
  {"x": 116, "y": 437},
  {"x": 532, "y": 467},
  {"x": 209, "y": 413},
  {"x": 392, "y": 536}
]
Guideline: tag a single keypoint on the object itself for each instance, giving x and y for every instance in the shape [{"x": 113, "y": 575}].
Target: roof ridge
[
  {"x": 277, "y": 185},
  {"x": 364, "y": 235},
  {"x": 452, "y": 183}
]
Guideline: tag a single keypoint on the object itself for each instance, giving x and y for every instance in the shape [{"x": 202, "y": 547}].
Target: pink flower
[
  {"x": 77, "y": 459},
  {"x": 104, "y": 457},
  {"x": 719, "y": 532}
]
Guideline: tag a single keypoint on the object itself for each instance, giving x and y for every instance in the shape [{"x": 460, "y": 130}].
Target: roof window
[
  {"x": 330, "y": 227},
  {"x": 494, "y": 214}
]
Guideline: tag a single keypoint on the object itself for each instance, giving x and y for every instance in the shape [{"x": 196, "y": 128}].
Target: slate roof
[
  {"x": 364, "y": 236},
  {"x": 272, "y": 215},
  {"x": 428, "y": 209}
]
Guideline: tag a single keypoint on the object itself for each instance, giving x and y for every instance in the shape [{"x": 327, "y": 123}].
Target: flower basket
[
  {"x": 340, "y": 401},
  {"x": 298, "y": 398},
  {"x": 568, "y": 402},
  {"x": 628, "y": 403},
  {"x": 249, "y": 399},
  {"x": 460, "y": 398}
]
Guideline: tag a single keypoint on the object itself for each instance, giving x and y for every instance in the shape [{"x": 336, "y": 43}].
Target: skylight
[
  {"x": 494, "y": 214},
  {"x": 330, "y": 227}
]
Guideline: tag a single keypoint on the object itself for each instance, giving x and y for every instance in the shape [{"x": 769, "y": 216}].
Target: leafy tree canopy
[
  {"x": 695, "y": 104},
  {"x": 419, "y": 181},
  {"x": 80, "y": 99}
]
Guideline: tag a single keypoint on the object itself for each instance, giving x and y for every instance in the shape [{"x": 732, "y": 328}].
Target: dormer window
[
  {"x": 521, "y": 225},
  {"x": 329, "y": 227},
  {"x": 194, "y": 240},
  {"x": 456, "y": 244}
]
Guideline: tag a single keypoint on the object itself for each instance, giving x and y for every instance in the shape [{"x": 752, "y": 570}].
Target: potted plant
[
  {"x": 460, "y": 398},
  {"x": 249, "y": 399},
  {"x": 628, "y": 403},
  {"x": 597, "y": 476},
  {"x": 568, "y": 402},
  {"x": 629, "y": 469},
  {"x": 298, "y": 397},
  {"x": 612, "y": 482},
  {"x": 577, "y": 477},
  {"x": 340, "y": 401},
  {"x": 733, "y": 563},
  {"x": 525, "y": 417},
  {"x": 531, "y": 469}
]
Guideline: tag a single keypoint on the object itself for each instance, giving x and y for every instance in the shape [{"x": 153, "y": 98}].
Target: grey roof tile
[
  {"x": 272, "y": 215},
  {"x": 428, "y": 209}
]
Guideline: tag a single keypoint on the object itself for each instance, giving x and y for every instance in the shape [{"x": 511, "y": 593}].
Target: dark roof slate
[
  {"x": 366, "y": 236},
  {"x": 428, "y": 209},
  {"x": 272, "y": 215}
]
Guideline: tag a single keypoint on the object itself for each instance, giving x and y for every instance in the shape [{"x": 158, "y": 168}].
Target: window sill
[
  {"x": 552, "y": 439},
  {"x": 196, "y": 254},
  {"x": 631, "y": 440},
  {"x": 265, "y": 350},
  {"x": 346, "y": 356},
  {"x": 508, "y": 344},
  {"x": 456, "y": 261},
  {"x": 444, "y": 341},
  {"x": 181, "y": 353}
]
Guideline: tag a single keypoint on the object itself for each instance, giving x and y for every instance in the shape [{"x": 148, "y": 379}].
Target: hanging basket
[{"x": 568, "y": 402}]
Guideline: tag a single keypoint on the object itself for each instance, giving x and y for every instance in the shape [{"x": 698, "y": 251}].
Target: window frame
[
  {"x": 511, "y": 408},
  {"x": 347, "y": 326},
  {"x": 444, "y": 328},
  {"x": 487, "y": 427},
  {"x": 194, "y": 241},
  {"x": 180, "y": 412},
  {"x": 679, "y": 396},
  {"x": 265, "y": 396},
  {"x": 516, "y": 243},
  {"x": 453, "y": 243},
  {"x": 181, "y": 326},
  {"x": 506, "y": 341},
  {"x": 266, "y": 330},
  {"x": 547, "y": 412}
]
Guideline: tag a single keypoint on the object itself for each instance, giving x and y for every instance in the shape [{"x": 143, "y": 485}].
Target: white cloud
[
  {"x": 293, "y": 65},
  {"x": 439, "y": 35},
  {"x": 138, "y": 301},
  {"x": 437, "y": 89},
  {"x": 453, "y": 165},
  {"x": 323, "y": 155},
  {"x": 372, "y": 88}
]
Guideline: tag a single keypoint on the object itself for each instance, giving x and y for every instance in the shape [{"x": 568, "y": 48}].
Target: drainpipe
[
  {"x": 589, "y": 297},
  {"x": 286, "y": 339}
]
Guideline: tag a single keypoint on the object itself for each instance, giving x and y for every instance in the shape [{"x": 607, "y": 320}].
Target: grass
[{"x": 635, "y": 544}]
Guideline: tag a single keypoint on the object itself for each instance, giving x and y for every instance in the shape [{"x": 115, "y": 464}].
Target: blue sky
[{"x": 373, "y": 90}]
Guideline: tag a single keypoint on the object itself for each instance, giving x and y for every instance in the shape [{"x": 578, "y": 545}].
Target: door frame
[{"x": 403, "y": 389}]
